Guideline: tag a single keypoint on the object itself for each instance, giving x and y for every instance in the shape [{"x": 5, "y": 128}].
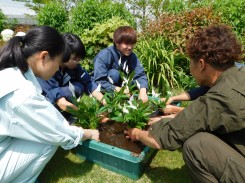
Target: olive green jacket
[{"x": 221, "y": 111}]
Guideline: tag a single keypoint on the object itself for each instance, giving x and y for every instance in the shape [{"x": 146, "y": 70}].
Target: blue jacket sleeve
[
  {"x": 82, "y": 81},
  {"x": 52, "y": 91},
  {"x": 197, "y": 92},
  {"x": 101, "y": 67}
]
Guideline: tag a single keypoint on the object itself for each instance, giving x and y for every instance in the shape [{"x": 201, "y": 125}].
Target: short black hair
[{"x": 74, "y": 45}]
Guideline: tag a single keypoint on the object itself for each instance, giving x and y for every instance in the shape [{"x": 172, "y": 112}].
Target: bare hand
[
  {"x": 170, "y": 100},
  {"x": 90, "y": 134},
  {"x": 63, "y": 104},
  {"x": 169, "y": 109},
  {"x": 132, "y": 133},
  {"x": 156, "y": 119},
  {"x": 143, "y": 95}
]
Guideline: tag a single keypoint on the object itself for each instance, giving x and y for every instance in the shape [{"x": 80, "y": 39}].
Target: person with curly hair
[{"x": 211, "y": 130}]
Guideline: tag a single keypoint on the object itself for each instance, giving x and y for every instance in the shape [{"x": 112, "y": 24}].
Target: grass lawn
[{"x": 66, "y": 167}]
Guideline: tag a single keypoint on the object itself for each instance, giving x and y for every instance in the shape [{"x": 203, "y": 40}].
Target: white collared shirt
[{"x": 26, "y": 114}]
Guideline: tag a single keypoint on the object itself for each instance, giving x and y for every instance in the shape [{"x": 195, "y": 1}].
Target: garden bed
[{"x": 116, "y": 153}]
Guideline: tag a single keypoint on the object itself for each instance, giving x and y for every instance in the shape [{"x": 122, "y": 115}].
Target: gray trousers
[
  {"x": 209, "y": 159},
  {"x": 23, "y": 161}
]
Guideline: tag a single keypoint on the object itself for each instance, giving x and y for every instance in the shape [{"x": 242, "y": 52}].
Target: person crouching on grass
[
  {"x": 211, "y": 130},
  {"x": 31, "y": 128}
]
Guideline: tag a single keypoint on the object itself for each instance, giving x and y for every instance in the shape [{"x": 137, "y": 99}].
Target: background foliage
[
  {"x": 87, "y": 13},
  {"x": 163, "y": 27},
  {"x": 53, "y": 14},
  {"x": 98, "y": 38}
]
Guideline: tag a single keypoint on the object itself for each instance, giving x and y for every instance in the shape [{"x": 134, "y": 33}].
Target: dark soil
[{"x": 112, "y": 133}]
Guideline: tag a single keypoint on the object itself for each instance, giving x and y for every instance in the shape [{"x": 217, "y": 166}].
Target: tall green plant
[{"x": 158, "y": 58}]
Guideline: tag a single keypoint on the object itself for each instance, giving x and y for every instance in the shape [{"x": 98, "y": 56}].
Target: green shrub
[
  {"x": 98, "y": 38},
  {"x": 2, "y": 20},
  {"x": 53, "y": 14},
  {"x": 87, "y": 13},
  {"x": 232, "y": 13}
]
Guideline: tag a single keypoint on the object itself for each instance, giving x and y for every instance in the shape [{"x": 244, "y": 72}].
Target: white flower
[
  {"x": 125, "y": 110},
  {"x": 131, "y": 105},
  {"x": 7, "y": 34},
  {"x": 131, "y": 98},
  {"x": 125, "y": 81},
  {"x": 120, "y": 107},
  {"x": 20, "y": 34},
  {"x": 109, "y": 110},
  {"x": 169, "y": 93},
  {"x": 154, "y": 94}
]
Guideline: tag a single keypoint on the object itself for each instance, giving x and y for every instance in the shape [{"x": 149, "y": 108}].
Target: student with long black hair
[{"x": 31, "y": 128}]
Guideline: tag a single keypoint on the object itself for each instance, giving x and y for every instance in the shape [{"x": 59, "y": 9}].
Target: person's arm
[
  {"x": 143, "y": 136},
  {"x": 63, "y": 104},
  {"x": 143, "y": 94},
  {"x": 181, "y": 97},
  {"x": 197, "y": 92},
  {"x": 101, "y": 62},
  {"x": 99, "y": 96},
  {"x": 39, "y": 121},
  {"x": 52, "y": 91}
]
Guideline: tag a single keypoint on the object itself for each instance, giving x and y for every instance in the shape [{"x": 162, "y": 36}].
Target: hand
[
  {"x": 169, "y": 109},
  {"x": 104, "y": 118},
  {"x": 156, "y": 119},
  {"x": 170, "y": 100},
  {"x": 142, "y": 95},
  {"x": 90, "y": 134},
  {"x": 132, "y": 133},
  {"x": 63, "y": 104}
]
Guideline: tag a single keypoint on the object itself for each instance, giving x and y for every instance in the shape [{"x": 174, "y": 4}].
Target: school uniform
[
  {"x": 211, "y": 131},
  {"x": 31, "y": 128},
  {"x": 67, "y": 83},
  {"x": 108, "y": 64}
]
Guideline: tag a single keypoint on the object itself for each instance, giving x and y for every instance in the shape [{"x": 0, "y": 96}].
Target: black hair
[
  {"x": 74, "y": 45},
  {"x": 19, "y": 48}
]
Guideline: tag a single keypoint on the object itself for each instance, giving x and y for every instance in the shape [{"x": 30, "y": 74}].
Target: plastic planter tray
[{"x": 116, "y": 159}]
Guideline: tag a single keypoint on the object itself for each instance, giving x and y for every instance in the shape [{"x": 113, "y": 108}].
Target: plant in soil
[
  {"x": 124, "y": 111},
  {"x": 89, "y": 112}
]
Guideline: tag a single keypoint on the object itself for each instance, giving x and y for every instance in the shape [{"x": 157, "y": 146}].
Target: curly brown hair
[{"x": 217, "y": 45}]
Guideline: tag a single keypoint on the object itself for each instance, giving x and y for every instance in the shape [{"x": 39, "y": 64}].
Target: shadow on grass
[
  {"x": 61, "y": 167},
  {"x": 164, "y": 174}
]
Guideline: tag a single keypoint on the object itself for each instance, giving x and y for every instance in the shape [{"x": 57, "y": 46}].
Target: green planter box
[{"x": 116, "y": 159}]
